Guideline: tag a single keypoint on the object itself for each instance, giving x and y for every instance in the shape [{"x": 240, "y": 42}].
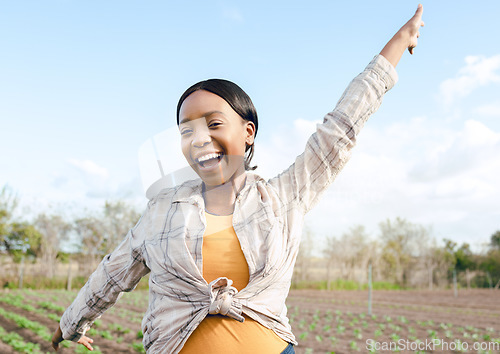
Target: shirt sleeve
[
  {"x": 119, "y": 271},
  {"x": 328, "y": 149}
]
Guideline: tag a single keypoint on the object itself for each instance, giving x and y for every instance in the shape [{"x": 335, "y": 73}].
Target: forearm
[
  {"x": 394, "y": 49},
  {"x": 118, "y": 272},
  {"x": 328, "y": 149},
  {"x": 405, "y": 38}
]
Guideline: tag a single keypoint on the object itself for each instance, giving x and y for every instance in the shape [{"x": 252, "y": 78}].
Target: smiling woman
[
  {"x": 237, "y": 99},
  {"x": 218, "y": 123},
  {"x": 221, "y": 248}
]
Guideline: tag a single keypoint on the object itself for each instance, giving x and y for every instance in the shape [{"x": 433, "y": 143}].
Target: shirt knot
[{"x": 222, "y": 301}]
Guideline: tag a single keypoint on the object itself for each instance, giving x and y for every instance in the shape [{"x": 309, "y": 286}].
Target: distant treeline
[{"x": 403, "y": 255}]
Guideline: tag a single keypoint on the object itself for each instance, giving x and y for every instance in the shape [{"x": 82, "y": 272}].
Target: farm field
[{"x": 322, "y": 321}]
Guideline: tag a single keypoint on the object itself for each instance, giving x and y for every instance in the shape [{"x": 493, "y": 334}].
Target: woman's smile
[{"x": 209, "y": 161}]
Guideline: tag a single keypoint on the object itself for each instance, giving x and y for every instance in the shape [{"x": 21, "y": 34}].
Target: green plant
[
  {"x": 80, "y": 349},
  {"x": 395, "y": 337},
  {"x": 51, "y": 306},
  {"x": 17, "y": 342},
  {"x": 106, "y": 335},
  {"x": 53, "y": 317},
  {"x": 459, "y": 346},
  {"x": 353, "y": 345},
  {"x": 432, "y": 333},
  {"x": 23, "y": 322},
  {"x": 138, "y": 347}
]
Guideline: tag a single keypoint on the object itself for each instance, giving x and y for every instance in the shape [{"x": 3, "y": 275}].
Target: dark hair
[{"x": 239, "y": 101}]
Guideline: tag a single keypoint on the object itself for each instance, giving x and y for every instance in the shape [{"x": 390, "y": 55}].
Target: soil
[
  {"x": 316, "y": 316},
  {"x": 472, "y": 311}
]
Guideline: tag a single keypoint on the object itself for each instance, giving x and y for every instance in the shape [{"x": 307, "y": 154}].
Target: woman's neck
[{"x": 219, "y": 200}]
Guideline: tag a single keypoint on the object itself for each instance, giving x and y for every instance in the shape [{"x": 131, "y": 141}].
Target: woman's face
[{"x": 213, "y": 137}]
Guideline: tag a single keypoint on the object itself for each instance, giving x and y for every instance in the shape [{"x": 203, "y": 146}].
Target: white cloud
[
  {"x": 279, "y": 152},
  {"x": 471, "y": 148},
  {"x": 90, "y": 184},
  {"x": 90, "y": 168},
  {"x": 419, "y": 169},
  {"x": 492, "y": 109},
  {"x": 478, "y": 71}
]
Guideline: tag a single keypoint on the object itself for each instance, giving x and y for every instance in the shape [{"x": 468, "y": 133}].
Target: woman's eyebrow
[{"x": 205, "y": 115}]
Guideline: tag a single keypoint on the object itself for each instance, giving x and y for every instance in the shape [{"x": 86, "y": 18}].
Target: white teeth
[{"x": 209, "y": 156}]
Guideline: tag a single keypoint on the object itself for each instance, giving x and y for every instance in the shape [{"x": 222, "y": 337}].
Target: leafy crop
[{"x": 17, "y": 342}]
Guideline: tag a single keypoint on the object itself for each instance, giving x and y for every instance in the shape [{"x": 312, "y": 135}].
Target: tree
[
  {"x": 23, "y": 239},
  {"x": 54, "y": 229},
  {"x": 491, "y": 262},
  {"x": 495, "y": 240},
  {"x": 8, "y": 204},
  {"x": 17, "y": 238},
  {"x": 465, "y": 259},
  {"x": 303, "y": 263},
  {"x": 351, "y": 252},
  {"x": 91, "y": 235},
  {"x": 432, "y": 259},
  {"x": 402, "y": 248},
  {"x": 118, "y": 218}
]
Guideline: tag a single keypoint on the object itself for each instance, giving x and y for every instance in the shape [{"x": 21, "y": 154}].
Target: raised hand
[
  {"x": 413, "y": 26},
  {"x": 405, "y": 38}
]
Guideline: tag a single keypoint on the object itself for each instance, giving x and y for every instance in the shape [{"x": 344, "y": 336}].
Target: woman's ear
[{"x": 250, "y": 132}]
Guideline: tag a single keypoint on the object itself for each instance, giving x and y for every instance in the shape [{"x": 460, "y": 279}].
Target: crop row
[
  {"x": 327, "y": 329},
  {"x": 113, "y": 331}
]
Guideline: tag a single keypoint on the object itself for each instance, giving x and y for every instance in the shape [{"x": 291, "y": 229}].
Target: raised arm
[
  {"x": 405, "y": 38},
  {"x": 329, "y": 148}
]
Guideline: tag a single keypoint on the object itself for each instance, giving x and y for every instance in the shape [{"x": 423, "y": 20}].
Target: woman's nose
[{"x": 201, "y": 137}]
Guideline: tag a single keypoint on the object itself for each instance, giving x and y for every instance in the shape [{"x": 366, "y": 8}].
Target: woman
[{"x": 221, "y": 249}]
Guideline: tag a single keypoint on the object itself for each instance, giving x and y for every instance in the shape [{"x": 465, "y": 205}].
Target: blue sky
[{"x": 83, "y": 84}]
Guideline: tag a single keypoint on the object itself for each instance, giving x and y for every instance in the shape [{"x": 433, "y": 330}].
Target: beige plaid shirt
[{"x": 268, "y": 219}]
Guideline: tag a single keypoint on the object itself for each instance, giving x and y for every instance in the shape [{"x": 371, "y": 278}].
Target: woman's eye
[
  {"x": 214, "y": 124},
  {"x": 186, "y": 131}
]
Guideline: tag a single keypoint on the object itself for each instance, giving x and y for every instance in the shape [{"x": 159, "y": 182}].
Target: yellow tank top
[{"x": 217, "y": 334}]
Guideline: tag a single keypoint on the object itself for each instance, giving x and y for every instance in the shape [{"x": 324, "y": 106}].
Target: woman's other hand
[{"x": 58, "y": 338}]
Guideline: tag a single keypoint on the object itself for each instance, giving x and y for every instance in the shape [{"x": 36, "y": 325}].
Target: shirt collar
[{"x": 191, "y": 191}]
